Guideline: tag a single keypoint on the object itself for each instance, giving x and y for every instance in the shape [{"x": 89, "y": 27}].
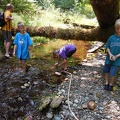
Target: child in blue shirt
[
  {"x": 22, "y": 44},
  {"x": 112, "y": 61}
]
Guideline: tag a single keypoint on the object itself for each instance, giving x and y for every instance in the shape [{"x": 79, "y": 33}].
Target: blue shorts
[{"x": 111, "y": 69}]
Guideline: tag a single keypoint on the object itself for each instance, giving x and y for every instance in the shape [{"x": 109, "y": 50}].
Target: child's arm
[
  {"x": 30, "y": 49},
  {"x": 110, "y": 54},
  {"x": 117, "y": 56},
  {"x": 14, "y": 49},
  {"x": 9, "y": 18},
  {"x": 64, "y": 62}
]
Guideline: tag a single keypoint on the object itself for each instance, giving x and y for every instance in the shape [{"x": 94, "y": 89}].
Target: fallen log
[{"x": 93, "y": 34}]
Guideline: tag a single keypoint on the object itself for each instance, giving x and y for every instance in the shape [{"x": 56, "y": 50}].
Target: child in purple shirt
[{"x": 64, "y": 52}]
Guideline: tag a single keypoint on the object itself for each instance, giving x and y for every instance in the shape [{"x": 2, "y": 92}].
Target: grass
[{"x": 56, "y": 17}]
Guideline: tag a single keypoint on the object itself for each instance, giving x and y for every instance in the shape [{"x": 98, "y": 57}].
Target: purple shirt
[{"x": 66, "y": 50}]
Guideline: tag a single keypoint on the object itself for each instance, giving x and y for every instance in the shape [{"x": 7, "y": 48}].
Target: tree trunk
[
  {"x": 94, "y": 34},
  {"x": 106, "y": 11}
]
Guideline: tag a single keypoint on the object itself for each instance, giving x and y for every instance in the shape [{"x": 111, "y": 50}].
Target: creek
[{"x": 20, "y": 96}]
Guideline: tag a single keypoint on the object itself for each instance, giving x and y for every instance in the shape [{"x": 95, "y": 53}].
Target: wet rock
[
  {"x": 45, "y": 103},
  {"x": 56, "y": 102},
  {"x": 91, "y": 105}
]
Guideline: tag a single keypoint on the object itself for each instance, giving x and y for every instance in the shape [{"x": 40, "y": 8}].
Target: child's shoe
[
  {"x": 110, "y": 88},
  {"x": 7, "y": 55},
  {"x": 106, "y": 87}
]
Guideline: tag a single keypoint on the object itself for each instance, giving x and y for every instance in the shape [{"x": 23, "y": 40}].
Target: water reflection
[{"x": 45, "y": 50}]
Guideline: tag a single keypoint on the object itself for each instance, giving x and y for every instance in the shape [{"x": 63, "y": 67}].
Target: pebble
[
  {"x": 84, "y": 106},
  {"x": 57, "y": 118},
  {"x": 23, "y": 87},
  {"x": 76, "y": 101},
  {"x": 26, "y": 85},
  {"x": 49, "y": 115},
  {"x": 87, "y": 85}
]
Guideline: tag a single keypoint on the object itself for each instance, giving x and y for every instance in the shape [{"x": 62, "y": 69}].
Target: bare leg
[
  {"x": 112, "y": 80},
  {"x": 8, "y": 47},
  {"x": 106, "y": 78},
  {"x": 65, "y": 66},
  {"x": 24, "y": 66},
  {"x": 5, "y": 44}
]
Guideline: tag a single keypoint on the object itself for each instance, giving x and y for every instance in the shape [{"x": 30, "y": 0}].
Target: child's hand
[
  {"x": 56, "y": 65},
  {"x": 112, "y": 58}
]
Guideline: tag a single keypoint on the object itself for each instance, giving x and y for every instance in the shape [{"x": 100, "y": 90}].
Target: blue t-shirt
[
  {"x": 22, "y": 42},
  {"x": 113, "y": 44},
  {"x": 66, "y": 50}
]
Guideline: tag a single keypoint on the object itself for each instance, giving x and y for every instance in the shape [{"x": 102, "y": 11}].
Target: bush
[
  {"x": 64, "y": 4},
  {"x": 19, "y": 5}
]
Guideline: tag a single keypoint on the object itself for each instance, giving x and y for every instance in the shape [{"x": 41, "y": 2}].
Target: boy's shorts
[
  {"x": 71, "y": 53},
  {"x": 111, "y": 69},
  {"x": 7, "y": 35}
]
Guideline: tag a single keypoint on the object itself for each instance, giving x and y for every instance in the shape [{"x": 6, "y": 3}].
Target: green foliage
[
  {"x": 64, "y": 4},
  {"x": 40, "y": 40},
  {"x": 19, "y": 5}
]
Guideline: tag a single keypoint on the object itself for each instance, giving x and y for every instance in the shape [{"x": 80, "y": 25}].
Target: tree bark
[
  {"x": 94, "y": 34},
  {"x": 106, "y": 11}
]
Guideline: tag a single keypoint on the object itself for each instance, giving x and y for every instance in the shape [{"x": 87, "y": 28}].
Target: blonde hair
[
  {"x": 117, "y": 23},
  {"x": 20, "y": 24},
  {"x": 9, "y": 6}
]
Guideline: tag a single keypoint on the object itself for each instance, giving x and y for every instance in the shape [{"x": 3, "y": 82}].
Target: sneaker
[
  {"x": 110, "y": 88},
  {"x": 106, "y": 87},
  {"x": 7, "y": 56}
]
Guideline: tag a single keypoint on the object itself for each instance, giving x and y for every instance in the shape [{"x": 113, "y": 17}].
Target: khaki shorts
[{"x": 7, "y": 36}]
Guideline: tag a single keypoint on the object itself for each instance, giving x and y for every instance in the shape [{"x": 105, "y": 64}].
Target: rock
[
  {"x": 98, "y": 95},
  {"x": 74, "y": 72},
  {"x": 57, "y": 118},
  {"x": 76, "y": 101},
  {"x": 26, "y": 85},
  {"x": 56, "y": 102},
  {"x": 74, "y": 105},
  {"x": 68, "y": 102},
  {"x": 84, "y": 106},
  {"x": 45, "y": 102},
  {"x": 57, "y": 73},
  {"x": 91, "y": 105},
  {"x": 23, "y": 87},
  {"x": 35, "y": 82},
  {"x": 32, "y": 103},
  {"x": 29, "y": 117},
  {"x": 49, "y": 115},
  {"x": 19, "y": 99},
  {"x": 62, "y": 90}
]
